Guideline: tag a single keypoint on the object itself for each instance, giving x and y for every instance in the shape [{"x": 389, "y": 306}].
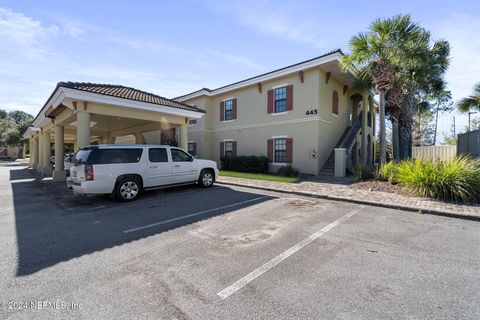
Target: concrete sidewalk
[{"x": 342, "y": 192}]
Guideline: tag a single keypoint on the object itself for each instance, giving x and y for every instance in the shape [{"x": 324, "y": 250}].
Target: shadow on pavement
[{"x": 54, "y": 226}]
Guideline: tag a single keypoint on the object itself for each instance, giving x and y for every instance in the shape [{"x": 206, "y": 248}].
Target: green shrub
[
  {"x": 361, "y": 172},
  {"x": 253, "y": 164},
  {"x": 288, "y": 171},
  {"x": 387, "y": 172},
  {"x": 457, "y": 180}
]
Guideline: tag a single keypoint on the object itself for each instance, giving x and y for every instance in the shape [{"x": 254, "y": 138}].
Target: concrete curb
[{"x": 375, "y": 204}]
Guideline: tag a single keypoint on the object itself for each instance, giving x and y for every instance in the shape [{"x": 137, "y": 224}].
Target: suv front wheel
[
  {"x": 206, "y": 179},
  {"x": 127, "y": 189}
]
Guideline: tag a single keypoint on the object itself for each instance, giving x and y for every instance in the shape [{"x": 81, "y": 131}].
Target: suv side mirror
[{"x": 191, "y": 159}]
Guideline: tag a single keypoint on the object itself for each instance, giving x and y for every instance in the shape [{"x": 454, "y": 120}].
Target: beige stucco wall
[
  {"x": 253, "y": 141},
  {"x": 254, "y": 125}
]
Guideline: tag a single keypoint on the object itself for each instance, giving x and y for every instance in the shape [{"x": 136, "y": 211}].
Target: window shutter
[
  {"x": 222, "y": 111},
  {"x": 234, "y": 148},
  {"x": 289, "y": 97},
  {"x": 270, "y": 101},
  {"x": 335, "y": 102},
  {"x": 234, "y": 109},
  {"x": 289, "y": 150},
  {"x": 222, "y": 149},
  {"x": 270, "y": 150}
]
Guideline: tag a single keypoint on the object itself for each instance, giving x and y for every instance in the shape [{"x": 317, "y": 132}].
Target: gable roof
[
  {"x": 127, "y": 93},
  {"x": 261, "y": 77}
]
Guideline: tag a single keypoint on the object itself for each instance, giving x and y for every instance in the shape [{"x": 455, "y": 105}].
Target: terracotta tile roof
[{"x": 127, "y": 93}]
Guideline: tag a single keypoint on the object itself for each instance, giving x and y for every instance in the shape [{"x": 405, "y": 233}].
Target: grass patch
[{"x": 258, "y": 176}]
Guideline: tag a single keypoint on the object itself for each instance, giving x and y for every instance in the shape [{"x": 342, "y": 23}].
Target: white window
[
  {"x": 228, "y": 110},
  {"x": 280, "y": 149},
  {"x": 228, "y": 148}
]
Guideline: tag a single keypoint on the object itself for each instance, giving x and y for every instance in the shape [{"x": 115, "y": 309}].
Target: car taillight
[{"x": 89, "y": 172}]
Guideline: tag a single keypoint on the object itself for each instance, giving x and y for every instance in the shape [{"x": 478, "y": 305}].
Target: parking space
[{"x": 230, "y": 253}]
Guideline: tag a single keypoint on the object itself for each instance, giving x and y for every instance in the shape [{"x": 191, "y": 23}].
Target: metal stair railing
[{"x": 349, "y": 139}]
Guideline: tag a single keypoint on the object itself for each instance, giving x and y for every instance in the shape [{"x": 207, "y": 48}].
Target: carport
[{"x": 79, "y": 113}]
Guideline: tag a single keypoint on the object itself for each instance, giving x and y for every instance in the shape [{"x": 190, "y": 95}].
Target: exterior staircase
[
  {"x": 345, "y": 141},
  {"x": 328, "y": 168}
]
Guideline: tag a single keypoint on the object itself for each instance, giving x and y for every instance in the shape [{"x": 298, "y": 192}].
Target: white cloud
[
  {"x": 21, "y": 29},
  {"x": 19, "y": 33},
  {"x": 289, "y": 20},
  {"x": 73, "y": 30},
  {"x": 34, "y": 56},
  {"x": 200, "y": 56}
]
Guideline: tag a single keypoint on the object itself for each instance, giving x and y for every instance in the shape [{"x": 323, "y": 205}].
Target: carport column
[
  {"x": 139, "y": 138},
  {"x": 34, "y": 153},
  {"x": 111, "y": 140},
  {"x": 46, "y": 168},
  {"x": 184, "y": 136},
  {"x": 59, "y": 173},
  {"x": 83, "y": 129},
  {"x": 40, "y": 153}
]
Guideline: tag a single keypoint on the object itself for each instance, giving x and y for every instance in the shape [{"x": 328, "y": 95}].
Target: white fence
[{"x": 446, "y": 153}]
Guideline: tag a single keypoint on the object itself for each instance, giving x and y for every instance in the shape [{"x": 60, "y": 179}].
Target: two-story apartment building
[{"x": 296, "y": 115}]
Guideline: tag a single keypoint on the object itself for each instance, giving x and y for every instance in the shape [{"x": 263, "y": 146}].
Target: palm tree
[
  {"x": 378, "y": 51},
  {"x": 472, "y": 101},
  {"x": 420, "y": 73}
]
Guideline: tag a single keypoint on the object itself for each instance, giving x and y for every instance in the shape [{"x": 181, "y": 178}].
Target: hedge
[{"x": 253, "y": 164}]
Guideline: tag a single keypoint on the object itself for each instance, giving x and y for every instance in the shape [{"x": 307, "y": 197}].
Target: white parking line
[
  {"x": 99, "y": 207},
  {"x": 225, "y": 293},
  {"x": 193, "y": 214}
]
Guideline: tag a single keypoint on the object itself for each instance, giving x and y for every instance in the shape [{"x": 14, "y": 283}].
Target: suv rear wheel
[
  {"x": 206, "y": 179},
  {"x": 127, "y": 189}
]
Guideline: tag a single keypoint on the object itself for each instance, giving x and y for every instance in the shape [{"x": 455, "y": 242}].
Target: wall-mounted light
[{"x": 314, "y": 153}]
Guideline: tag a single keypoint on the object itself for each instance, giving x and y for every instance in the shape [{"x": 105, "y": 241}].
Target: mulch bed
[{"x": 383, "y": 186}]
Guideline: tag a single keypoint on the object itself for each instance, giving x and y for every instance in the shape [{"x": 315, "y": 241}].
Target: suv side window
[
  {"x": 157, "y": 155},
  {"x": 180, "y": 156},
  {"x": 112, "y": 156}
]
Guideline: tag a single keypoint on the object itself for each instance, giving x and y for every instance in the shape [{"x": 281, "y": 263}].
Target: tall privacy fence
[
  {"x": 469, "y": 143},
  {"x": 446, "y": 153}
]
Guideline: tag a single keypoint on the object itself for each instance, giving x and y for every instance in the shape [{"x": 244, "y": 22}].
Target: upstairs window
[
  {"x": 228, "y": 110},
  {"x": 280, "y": 96},
  {"x": 335, "y": 102}
]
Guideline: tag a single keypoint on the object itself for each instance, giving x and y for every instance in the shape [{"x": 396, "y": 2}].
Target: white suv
[{"x": 125, "y": 170}]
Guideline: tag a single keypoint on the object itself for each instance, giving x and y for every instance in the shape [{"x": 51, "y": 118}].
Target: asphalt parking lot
[{"x": 227, "y": 253}]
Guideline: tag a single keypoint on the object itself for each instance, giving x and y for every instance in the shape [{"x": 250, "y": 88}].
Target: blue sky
[{"x": 174, "y": 47}]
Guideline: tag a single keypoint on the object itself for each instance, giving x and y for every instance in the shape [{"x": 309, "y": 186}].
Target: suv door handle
[
  {"x": 176, "y": 166},
  {"x": 153, "y": 167}
]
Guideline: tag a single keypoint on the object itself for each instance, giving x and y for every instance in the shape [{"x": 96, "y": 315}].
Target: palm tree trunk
[
  {"x": 383, "y": 134},
  {"x": 395, "y": 139},
  {"x": 404, "y": 140}
]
